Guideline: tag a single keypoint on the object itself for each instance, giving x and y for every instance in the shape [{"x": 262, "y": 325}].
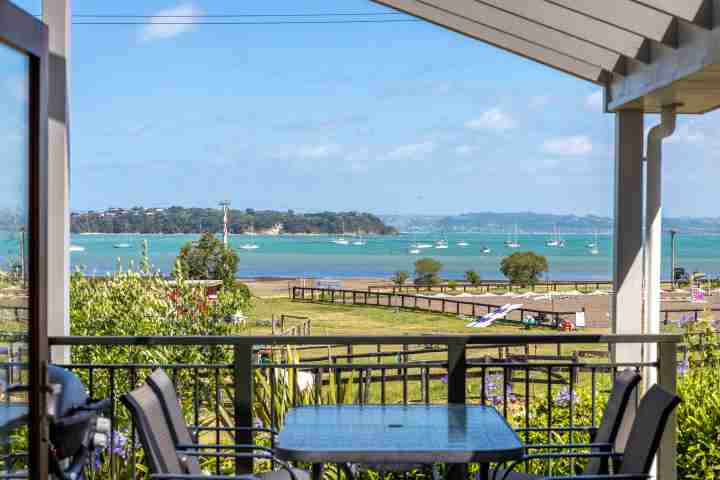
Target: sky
[{"x": 379, "y": 117}]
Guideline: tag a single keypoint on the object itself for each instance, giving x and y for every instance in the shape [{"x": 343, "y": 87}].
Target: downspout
[{"x": 653, "y": 231}]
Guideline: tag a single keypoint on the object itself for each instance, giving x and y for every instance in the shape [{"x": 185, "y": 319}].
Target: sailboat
[
  {"x": 341, "y": 240},
  {"x": 414, "y": 250},
  {"x": 360, "y": 241},
  {"x": 76, "y": 248},
  {"x": 250, "y": 245},
  {"x": 462, "y": 243},
  {"x": 442, "y": 243},
  {"x": 594, "y": 247},
  {"x": 122, "y": 245},
  {"x": 512, "y": 242},
  {"x": 556, "y": 241},
  {"x": 485, "y": 250}
]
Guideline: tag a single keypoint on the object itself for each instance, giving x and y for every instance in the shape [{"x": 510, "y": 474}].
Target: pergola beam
[
  {"x": 576, "y": 24},
  {"x": 518, "y": 46},
  {"x": 698, "y": 12},
  {"x": 531, "y": 31},
  {"x": 628, "y": 15}
]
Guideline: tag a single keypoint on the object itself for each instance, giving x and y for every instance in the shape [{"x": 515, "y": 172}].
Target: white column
[
  {"x": 627, "y": 301},
  {"x": 628, "y": 235},
  {"x": 57, "y": 15}
]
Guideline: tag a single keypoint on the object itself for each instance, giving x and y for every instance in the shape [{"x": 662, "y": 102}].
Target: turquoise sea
[{"x": 317, "y": 256}]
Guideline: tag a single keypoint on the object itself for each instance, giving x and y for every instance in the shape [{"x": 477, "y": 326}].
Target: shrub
[
  {"x": 207, "y": 259},
  {"x": 472, "y": 277},
  {"x": 452, "y": 284},
  {"x": 399, "y": 278},
  {"x": 524, "y": 267},
  {"x": 427, "y": 271}
]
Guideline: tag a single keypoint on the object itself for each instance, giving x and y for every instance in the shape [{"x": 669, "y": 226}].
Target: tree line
[{"x": 197, "y": 220}]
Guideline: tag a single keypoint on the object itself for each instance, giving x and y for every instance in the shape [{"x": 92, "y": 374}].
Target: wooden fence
[{"x": 422, "y": 303}]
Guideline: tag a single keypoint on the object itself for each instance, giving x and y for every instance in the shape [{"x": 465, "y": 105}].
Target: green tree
[
  {"x": 399, "y": 278},
  {"x": 207, "y": 259},
  {"x": 472, "y": 277},
  {"x": 524, "y": 267},
  {"x": 427, "y": 271}
]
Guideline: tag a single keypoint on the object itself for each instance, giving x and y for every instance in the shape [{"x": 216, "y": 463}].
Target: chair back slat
[
  {"x": 623, "y": 387},
  {"x": 163, "y": 387},
  {"x": 152, "y": 426},
  {"x": 647, "y": 430}
]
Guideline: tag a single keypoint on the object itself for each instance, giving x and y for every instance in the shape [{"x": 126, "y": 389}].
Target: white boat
[
  {"x": 359, "y": 242},
  {"x": 486, "y": 250},
  {"x": 122, "y": 245},
  {"x": 441, "y": 244},
  {"x": 76, "y": 248},
  {"x": 462, "y": 243},
  {"x": 556, "y": 241},
  {"x": 593, "y": 244},
  {"x": 414, "y": 251},
  {"x": 340, "y": 241},
  {"x": 593, "y": 247},
  {"x": 249, "y": 246},
  {"x": 424, "y": 245},
  {"x": 512, "y": 242}
]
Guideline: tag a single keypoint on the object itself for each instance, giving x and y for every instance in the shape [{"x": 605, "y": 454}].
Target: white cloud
[
  {"x": 171, "y": 22},
  {"x": 568, "y": 146},
  {"x": 317, "y": 151},
  {"x": 467, "y": 150},
  {"x": 595, "y": 101},
  {"x": 411, "y": 151},
  {"x": 493, "y": 119}
]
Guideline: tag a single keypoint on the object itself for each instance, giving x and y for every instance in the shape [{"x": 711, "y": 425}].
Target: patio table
[{"x": 398, "y": 434}]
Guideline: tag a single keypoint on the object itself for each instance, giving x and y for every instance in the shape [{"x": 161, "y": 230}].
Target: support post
[
  {"x": 57, "y": 15},
  {"x": 627, "y": 301},
  {"x": 667, "y": 454},
  {"x": 628, "y": 239},
  {"x": 456, "y": 373},
  {"x": 243, "y": 400}
]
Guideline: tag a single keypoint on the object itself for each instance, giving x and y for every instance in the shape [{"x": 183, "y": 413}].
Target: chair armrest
[
  {"x": 264, "y": 455},
  {"x": 202, "y": 446},
  {"x": 192, "y": 476},
  {"x": 569, "y": 446},
  {"x": 542, "y": 456}
]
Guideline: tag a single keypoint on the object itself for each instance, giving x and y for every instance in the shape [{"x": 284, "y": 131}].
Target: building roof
[{"x": 646, "y": 53}]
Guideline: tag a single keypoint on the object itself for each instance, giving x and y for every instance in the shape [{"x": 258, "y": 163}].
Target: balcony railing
[{"x": 543, "y": 384}]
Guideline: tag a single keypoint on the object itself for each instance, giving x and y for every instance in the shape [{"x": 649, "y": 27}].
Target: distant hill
[
  {"x": 196, "y": 220},
  {"x": 528, "y": 222}
]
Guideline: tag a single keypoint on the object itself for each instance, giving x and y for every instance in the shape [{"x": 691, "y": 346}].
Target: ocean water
[{"x": 317, "y": 256}]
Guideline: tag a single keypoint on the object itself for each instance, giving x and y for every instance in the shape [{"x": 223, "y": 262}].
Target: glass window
[{"x": 14, "y": 253}]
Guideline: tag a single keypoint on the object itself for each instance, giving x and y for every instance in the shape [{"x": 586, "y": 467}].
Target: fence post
[
  {"x": 667, "y": 378},
  {"x": 456, "y": 372},
  {"x": 243, "y": 400}
]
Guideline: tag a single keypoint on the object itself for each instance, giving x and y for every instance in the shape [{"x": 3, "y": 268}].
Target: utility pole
[
  {"x": 226, "y": 208},
  {"x": 673, "y": 257}
]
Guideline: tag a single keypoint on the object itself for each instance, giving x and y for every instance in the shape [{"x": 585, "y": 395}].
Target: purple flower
[
  {"x": 119, "y": 444},
  {"x": 564, "y": 397},
  {"x": 683, "y": 367},
  {"x": 258, "y": 423},
  {"x": 444, "y": 379}
]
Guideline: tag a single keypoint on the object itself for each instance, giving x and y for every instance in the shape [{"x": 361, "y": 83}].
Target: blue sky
[{"x": 388, "y": 118}]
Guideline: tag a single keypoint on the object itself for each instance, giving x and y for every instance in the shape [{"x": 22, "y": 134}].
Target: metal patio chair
[
  {"x": 169, "y": 446},
  {"x": 602, "y": 439},
  {"x": 640, "y": 450}
]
